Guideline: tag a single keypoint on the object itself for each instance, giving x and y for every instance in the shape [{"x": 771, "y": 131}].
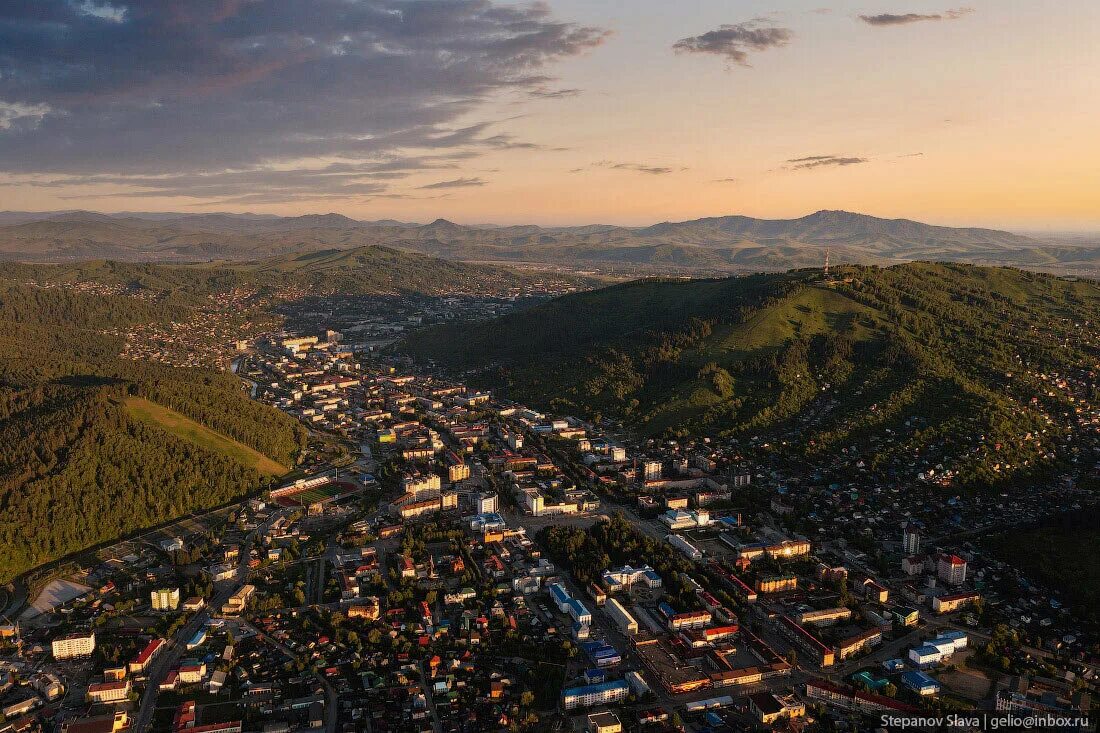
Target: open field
[{"x": 202, "y": 436}]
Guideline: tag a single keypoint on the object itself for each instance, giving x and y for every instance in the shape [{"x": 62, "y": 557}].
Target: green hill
[
  {"x": 369, "y": 270},
  {"x": 78, "y": 466},
  {"x": 915, "y": 366}
]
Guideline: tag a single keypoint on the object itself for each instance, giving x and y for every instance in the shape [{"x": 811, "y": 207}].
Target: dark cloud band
[{"x": 161, "y": 93}]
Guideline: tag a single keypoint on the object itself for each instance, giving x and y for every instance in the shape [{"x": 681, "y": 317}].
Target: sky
[{"x": 558, "y": 112}]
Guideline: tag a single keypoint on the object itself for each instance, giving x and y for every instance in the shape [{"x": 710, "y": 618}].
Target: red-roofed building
[{"x": 141, "y": 662}]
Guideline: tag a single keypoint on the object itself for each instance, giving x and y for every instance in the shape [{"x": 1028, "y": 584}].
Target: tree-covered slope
[
  {"x": 370, "y": 270},
  {"x": 942, "y": 369},
  {"x": 76, "y": 467}
]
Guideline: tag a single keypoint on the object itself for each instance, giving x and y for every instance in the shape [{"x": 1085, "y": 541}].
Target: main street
[{"x": 177, "y": 645}]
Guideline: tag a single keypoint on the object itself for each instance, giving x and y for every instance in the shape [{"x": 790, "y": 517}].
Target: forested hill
[
  {"x": 77, "y": 468},
  {"x": 967, "y": 375},
  {"x": 371, "y": 270}
]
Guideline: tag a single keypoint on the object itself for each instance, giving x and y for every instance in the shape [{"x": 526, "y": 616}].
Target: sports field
[
  {"x": 316, "y": 494},
  {"x": 184, "y": 427}
]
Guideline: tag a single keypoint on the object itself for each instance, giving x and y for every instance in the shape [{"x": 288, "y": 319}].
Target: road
[
  {"x": 427, "y": 680},
  {"x": 330, "y": 692},
  {"x": 177, "y": 645}
]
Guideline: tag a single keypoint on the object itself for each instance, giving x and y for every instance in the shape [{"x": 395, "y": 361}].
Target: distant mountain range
[{"x": 715, "y": 244}]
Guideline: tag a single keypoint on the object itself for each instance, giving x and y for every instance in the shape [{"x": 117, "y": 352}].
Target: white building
[
  {"x": 604, "y": 693},
  {"x": 486, "y": 503},
  {"x": 74, "y": 645},
  {"x": 627, "y": 623},
  {"x": 618, "y": 579},
  {"x": 691, "y": 551},
  {"x": 951, "y": 569}
]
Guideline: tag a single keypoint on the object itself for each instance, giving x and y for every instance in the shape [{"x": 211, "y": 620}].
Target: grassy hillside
[
  {"x": 87, "y": 453},
  {"x": 184, "y": 427},
  {"x": 914, "y": 366}
]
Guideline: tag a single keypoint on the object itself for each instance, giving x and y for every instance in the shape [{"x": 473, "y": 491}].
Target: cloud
[
  {"x": 891, "y": 19},
  {"x": 822, "y": 161},
  {"x": 162, "y": 94},
  {"x": 456, "y": 183},
  {"x": 546, "y": 93},
  {"x": 653, "y": 170},
  {"x": 734, "y": 42},
  {"x": 727, "y": 180}
]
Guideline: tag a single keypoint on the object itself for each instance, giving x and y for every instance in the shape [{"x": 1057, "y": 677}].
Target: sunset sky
[{"x": 561, "y": 112}]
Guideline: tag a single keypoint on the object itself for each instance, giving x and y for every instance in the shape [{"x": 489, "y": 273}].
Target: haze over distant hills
[{"x": 715, "y": 244}]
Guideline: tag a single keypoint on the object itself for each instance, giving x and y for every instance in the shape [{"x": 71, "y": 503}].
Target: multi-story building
[
  {"x": 627, "y": 623},
  {"x": 165, "y": 599},
  {"x": 108, "y": 692},
  {"x": 776, "y": 583},
  {"x": 651, "y": 470},
  {"x": 604, "y": 693},
  {"x": 237, "y": 602},
  {"x": 74, "y": 645},
  {"x": 850, "y": 698},
  {"x": 954, "y": 601},
  {"x": 951, "y": 569},
  {"x": 910, "y": 539},
  {"x": 140, "y": 663},
  {"x": 855, "y": 644},
  {"x": 618, "y": 579},
  {"x": 486, "y": 503},
  {"x": 825, "y": 616},
  {"x": 807, "y": 643},
  {"x": 110, "y": 723}
]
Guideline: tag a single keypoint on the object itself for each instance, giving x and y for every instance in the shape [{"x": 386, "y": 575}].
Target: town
[{"x": 446, "y": 560}]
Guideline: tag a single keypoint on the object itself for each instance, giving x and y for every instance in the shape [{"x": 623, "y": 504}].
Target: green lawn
[{"x": 202, "y": 436}]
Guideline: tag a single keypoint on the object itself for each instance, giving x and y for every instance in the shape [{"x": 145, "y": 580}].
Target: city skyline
[{"x": 558, "y": 113}]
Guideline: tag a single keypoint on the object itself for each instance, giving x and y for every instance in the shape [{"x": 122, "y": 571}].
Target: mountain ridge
[
  {"x": 953, "y": 359},
  {"x": 721, "y": 244}
]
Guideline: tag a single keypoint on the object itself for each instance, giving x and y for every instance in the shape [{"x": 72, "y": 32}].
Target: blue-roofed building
[
  {"x": 603, "y": 693},
  {"x": 666, "y": 610},
  {"x": 925, "y": 656},
  {"x": 581, "y": 631},
  {"x": 595, "y": 676},
  {"x": 560, "y": 597},
  {"x": 920, "y": 683},
  {"x": 893, "y": 665},
  {"x": 197, "y": 639},
  {"x": 577, "y": 610},
  {"x": 617, "y": 579}
]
